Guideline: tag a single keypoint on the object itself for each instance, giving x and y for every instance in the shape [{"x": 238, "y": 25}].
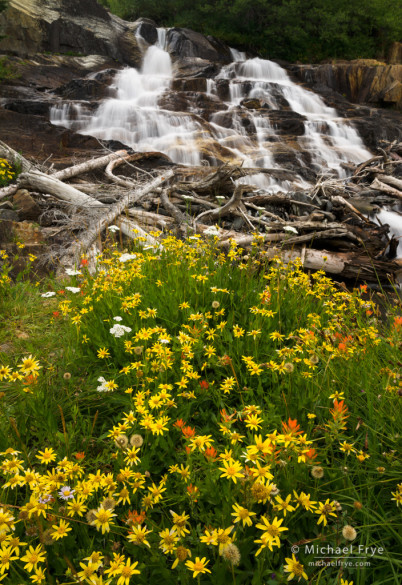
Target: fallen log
[
  {"x": 232, "y": 205},
  {"x": 393, "y": 181},
  {"x": 127, "y": 227},
  {"x": 351, "y": 265},
  {"x": 376, "y": 184},
  {"x": 89, "y": 165},
  {"x": 37, "y": 181}
]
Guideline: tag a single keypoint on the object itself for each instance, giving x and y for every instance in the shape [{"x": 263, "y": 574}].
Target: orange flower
[
  {"x": 311, "y": 454},
  {"x": 79, "y": 456},
  {"x": 397, "y": 322},
  {"x": 192, "y": 491},
  {"x": 204, "y": 384},
  {"x": 188, "y": 431},
  {"x": 211, "y": 453},
  {"x": 291, "y": 427},
  {"x": 179, "y": 424},
  {"x": 134, "y": 517},
  {"x": 84, "y": 262}
]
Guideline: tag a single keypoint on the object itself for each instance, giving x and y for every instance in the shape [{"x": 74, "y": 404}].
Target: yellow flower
[
  {"x": 32, "y": 557},
  {"x": 198, "y": 567},
  {"x": 271, "y": 533},
  {"x": 60, "y": 530},
  {"x": 46, "y": 456},
  {"x": 29, "y": 366},
  {"x": 103, "y": 353},
  {"x": 102, "y": 519},
  {"x": 138, "y": 535},
  {"x": 325, "y": 510},
  {"x": 39, "y": 576},
  {"x": 126, "y": 571},
  {"x": 295, "y": 568},
  {"x": 242, "y": 514},
  {"x": 6, "y": 557},
  {"x": 231, "y": 469}
]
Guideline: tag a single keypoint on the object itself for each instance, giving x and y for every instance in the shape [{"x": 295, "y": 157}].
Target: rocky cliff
[{"x": 362, "y": 81}]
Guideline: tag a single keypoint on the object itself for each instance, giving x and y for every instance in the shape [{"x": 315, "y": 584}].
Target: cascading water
[{"x": 134, "y": 118}]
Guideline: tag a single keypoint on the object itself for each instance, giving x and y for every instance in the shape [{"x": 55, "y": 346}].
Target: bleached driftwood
[
  {"x": 88, "y": 165},
  {"x": 376, "y": 184},
  {"x": 127, "y": 227}
]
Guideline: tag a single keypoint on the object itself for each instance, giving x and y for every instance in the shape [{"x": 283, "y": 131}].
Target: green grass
[{"x": 227, "y": 363}]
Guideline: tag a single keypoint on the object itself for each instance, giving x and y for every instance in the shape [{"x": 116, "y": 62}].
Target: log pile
[{"x": 328, "y": 226}]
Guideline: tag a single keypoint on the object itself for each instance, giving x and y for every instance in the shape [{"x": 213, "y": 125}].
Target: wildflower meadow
[{"x": 182, "y": 415}]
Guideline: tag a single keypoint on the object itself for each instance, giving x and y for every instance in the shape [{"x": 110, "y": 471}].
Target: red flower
[{"x": 204, "y": 384}]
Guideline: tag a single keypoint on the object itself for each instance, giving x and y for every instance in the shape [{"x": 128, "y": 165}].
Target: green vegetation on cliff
[{"x": 305, "y": 30}]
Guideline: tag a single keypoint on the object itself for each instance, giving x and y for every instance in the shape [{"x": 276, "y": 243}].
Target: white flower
[
  {"x": 211, "y": 231},
  {"x": 289, "y": 228},
  {"x": 48, "y": 294},
  {"x": 119, "y": 330},
  {"x": 118, "y": 318},
  {"x": 125, "y": 257},
  {"x": 73, "y": 289},
  {"x": 72, "y": 272},
  {"x": 66, "y": 493},
  {"x": 220, "y": 197},
  {"x": 162, "y": 340},
  {"x": 113, "y": 228}
]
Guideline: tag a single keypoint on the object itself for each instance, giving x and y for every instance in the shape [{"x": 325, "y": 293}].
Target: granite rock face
[
  {"x": 67, "y": 26},
  {"x": 362, "y": 81}
]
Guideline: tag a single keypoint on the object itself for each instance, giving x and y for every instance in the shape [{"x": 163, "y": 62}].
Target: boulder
[
  {"x": 186, "y": 43},
  {"x": 194, "y": 67},
  {"x": 67, "y": 26},
  {"x": 26, "y": 206}
]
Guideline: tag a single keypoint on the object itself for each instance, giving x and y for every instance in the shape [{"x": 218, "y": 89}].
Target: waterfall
[{"x": 136, "y": 118}]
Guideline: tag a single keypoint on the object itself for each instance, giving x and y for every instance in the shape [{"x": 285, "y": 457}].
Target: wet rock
[
  {"x": 33, "y": 107},
  {"x": 251, "y": 104},
  {"x": 84, "y": 89},
  {"x": 194, "y": 67},
  {"x": 287, "y": 122},
  {"x": 202, "y": 104},
  {"x": 222, "y": 89},
  {"x": 26, "y": 205},
  {"x": 186, "y": 43},
  {"x": 37, "y": 139},
  {"x": 146, "y": 28},
  {"x": 198, "y": 84}
]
